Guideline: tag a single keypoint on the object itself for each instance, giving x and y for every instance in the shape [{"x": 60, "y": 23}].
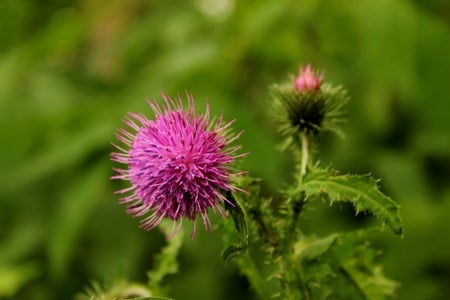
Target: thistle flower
[
  {"x": 307, "y": 80},
  {"x": 179, "y": 164}
]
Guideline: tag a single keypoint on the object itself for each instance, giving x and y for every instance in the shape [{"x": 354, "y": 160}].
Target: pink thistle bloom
[
  {"x": 307, "y": 80},
  {"x": 179, "y": 164}
]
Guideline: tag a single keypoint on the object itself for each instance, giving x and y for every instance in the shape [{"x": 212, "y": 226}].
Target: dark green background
[{"x": 70, "y": 70}]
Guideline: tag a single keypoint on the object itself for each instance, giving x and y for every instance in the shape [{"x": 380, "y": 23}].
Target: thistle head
[
  {"x": 179, "y": 164},
  {"x": 308, "y": 106}
]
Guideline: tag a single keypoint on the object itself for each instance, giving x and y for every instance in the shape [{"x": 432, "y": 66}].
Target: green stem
[
  {"x": 248, "y": 267},
  {"x": 294, "y": 287},
  {"x": 305, "y": 154}
]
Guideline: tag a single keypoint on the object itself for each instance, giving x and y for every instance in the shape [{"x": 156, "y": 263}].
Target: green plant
[{"x": 279, "y": 258}]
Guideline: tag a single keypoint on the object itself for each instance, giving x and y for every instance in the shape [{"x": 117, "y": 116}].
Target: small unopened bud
[
  {"x": 307, "y": 80},
  {"x": 307, "y": 105}
]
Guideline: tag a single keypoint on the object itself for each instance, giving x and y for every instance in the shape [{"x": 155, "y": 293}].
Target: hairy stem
[{"x": 294, "y": 287}]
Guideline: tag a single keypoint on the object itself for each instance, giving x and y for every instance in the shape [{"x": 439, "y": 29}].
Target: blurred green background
[{"x": 70, "y": 70}]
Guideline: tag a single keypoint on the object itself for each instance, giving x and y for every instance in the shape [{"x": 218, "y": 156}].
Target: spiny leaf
[
  {"x": 240, "y": 222},
  {"x": 361, "y": 191},
  {"x": 165, "y": 263}
]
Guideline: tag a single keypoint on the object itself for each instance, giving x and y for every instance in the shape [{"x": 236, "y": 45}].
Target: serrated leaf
[
  {"x": 361, "y": 191},
  {"x": 165, "y": 263},
  {"x": 240, "y": 223}
]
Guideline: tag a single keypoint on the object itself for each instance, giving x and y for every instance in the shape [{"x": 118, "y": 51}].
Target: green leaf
[
  {"x": 240, "y": 222},
  {"x": 361, "y": 191},
  {"x": 311, "y": 248},
  {"x": 355, "y": 261},
  {"x": 342, "y": 266},
  {"x": 165, "y": 263}
]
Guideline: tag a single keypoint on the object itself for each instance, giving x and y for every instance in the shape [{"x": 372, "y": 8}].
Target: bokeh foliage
[{"x": 70, "y": 70}]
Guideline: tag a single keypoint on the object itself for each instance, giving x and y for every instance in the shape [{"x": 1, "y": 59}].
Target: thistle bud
[
  {"x": 307, "y": 80},
  {"x": 307, "y": 105}
]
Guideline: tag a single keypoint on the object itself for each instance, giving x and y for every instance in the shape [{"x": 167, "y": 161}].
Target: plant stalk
[{"x": 305, "y": 154}]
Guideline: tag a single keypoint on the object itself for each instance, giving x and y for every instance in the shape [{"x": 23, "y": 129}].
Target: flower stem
[
  {"x": 249, "y": 268},
  {"x": 305, "y": 154},
  {"x": 294, "y": 287}
]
